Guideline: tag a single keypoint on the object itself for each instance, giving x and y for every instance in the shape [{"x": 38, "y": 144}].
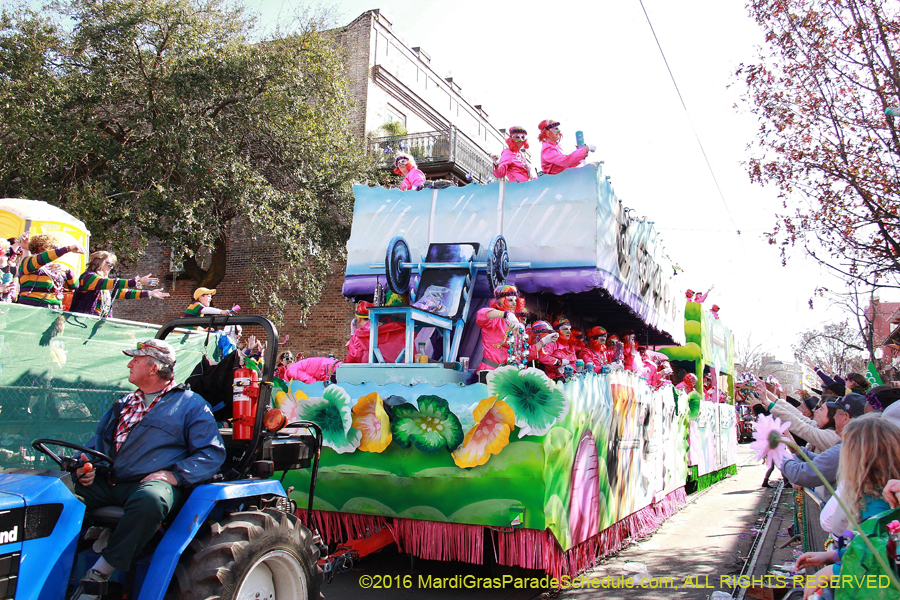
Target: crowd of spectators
[{"x": 851, "y": 434}]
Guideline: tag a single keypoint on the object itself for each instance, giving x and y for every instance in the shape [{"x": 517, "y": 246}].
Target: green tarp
[{"x": 60, "y": 371}]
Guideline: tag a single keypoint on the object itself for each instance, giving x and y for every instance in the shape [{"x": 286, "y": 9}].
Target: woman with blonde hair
[
  {"x": 97, "y": 290},
  {"x": 870, "y": 458}
]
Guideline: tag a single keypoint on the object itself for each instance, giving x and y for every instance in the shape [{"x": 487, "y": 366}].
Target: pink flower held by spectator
[
  {"x": 236, "y": 308},
  {"x": 893, "y": 527},
  {"x": 767, "y": 433}
]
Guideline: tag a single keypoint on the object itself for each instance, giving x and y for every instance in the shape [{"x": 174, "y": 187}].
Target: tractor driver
[{"x": 164, "y": 440}]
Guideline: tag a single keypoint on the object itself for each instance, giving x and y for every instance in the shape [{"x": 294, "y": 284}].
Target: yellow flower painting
[
  {"x": 494, "y": 420},
  {"x": 370, "y": 419}
]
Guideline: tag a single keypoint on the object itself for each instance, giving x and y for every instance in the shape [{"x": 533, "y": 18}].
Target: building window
[{"x": 392, "y": 115}]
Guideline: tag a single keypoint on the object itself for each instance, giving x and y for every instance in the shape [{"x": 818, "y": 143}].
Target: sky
[{"x": 595, "y": 67}]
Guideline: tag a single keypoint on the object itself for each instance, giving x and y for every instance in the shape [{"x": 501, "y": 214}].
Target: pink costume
[
  {"x": 658, "y": 378},
  {"x": 700, "y": 297},
  {"x": 564, "y": 351},
  {"x": 494, "y": 351},
  {"x": 589, "y": 355},
  {"x": 413, "y": 180},
  {"x": 513, "y": 166},
  {"x": 549, "y": 361},
  {"x": 311, "y": 370},
  {"x": 553, "y": 161},
  {"x": 631, "y": 357},
  {"x": 391, "y": 341}
]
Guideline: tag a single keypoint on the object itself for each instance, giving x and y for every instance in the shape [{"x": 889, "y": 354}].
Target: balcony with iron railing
[{"x": 447, "y": 154}]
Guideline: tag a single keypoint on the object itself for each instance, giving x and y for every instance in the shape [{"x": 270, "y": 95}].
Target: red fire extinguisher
[{"x": 245, "y": 397}]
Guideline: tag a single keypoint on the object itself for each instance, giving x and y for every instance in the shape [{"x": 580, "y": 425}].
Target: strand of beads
[{"x": 516, "y": 347}]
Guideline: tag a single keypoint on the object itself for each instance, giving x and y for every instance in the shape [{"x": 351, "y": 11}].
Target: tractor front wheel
[{"x": 253, "y": 555}]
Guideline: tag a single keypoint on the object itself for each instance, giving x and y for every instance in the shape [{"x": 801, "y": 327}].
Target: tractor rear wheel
[{"x": 255, "y": 555}]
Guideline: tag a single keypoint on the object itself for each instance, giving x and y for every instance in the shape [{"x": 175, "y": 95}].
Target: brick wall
[
  {"x": 355, "y": 40},
  {"x": 325, "y": 331}
]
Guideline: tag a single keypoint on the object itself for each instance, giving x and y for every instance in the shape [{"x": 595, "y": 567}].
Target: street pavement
[{"x": 698, "y": 551}]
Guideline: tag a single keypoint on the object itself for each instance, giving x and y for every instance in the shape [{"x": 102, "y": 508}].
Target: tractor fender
[{"x": 188, "y": 522}]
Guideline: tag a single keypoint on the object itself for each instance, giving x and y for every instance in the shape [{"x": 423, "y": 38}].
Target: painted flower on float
[
  {"x": 767, "y": 433},
  {"x": 536, "y": 401},
  {"x": 370, "y": 418},
  {"x": 288, "y": 397},
  {"x": 430, "y": 428},
  {"x": 332, "y": 412},
  {"x": 494, "y": 420}
]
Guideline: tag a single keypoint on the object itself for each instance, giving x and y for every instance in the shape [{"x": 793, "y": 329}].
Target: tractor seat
[{"x": 106, "y": 515}]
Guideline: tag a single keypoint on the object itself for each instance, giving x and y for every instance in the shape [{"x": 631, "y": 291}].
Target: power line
[
  {"x": 739, "y": 231},
  {"x": 694, "y": 129}
]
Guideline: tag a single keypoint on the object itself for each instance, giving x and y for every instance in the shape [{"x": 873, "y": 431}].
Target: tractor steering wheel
[{"x": 66, "y": 463}]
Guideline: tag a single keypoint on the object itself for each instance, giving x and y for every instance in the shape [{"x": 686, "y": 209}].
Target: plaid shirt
[{"x": 133, "y": 411}]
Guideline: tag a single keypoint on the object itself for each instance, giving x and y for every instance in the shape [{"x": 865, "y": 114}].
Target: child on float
[
  {"x": 595, "y": 351},
  {"x": 869, "y": 460},
  {"x": 201, "y": 305},
  {"x": 413, "y": 178},
  {"x": 513, "y": 163},
  {"x": 553, "y": 160}
]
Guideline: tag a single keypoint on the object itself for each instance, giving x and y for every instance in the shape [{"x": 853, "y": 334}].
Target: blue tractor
[{"x": 237, "y": 537}]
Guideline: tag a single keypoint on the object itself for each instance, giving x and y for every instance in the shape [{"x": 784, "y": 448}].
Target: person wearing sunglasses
[
  {"x": 97, "y": 290},
  {"x": 43, "y": 281},
  {"x": 164, "y": 441},
  {"x": 553, "y": 160},
  {"x": 512, "y": 163},
  {"x": 413, "y": 178}
]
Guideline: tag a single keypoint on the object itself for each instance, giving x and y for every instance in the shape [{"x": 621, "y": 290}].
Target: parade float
[
  {"x": 511, "y": 467},
  {"x": 533, "y": 472}
]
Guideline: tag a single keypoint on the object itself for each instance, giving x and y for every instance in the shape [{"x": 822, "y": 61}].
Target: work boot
[{"x": 92, "y": 586}]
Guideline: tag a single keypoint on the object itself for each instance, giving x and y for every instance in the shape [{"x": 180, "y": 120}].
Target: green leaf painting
[{"x": 431, "y": 427}]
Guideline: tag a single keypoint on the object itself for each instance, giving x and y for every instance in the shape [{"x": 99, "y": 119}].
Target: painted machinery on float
[{"x": 242, "y": 521}]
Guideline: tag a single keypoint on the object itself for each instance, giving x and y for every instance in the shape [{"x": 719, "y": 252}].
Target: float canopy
[{"x": 18, "y": 215}]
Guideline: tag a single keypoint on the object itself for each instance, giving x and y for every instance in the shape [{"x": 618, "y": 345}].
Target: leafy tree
[
  {"x": 176, "y": 120},
  {"x": 828, "y": 71}
]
